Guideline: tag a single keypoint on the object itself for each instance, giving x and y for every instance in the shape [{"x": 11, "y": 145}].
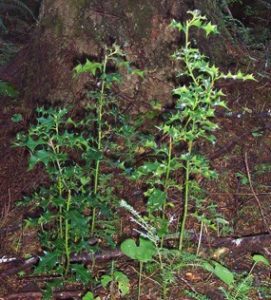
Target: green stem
[
  {"x": 190, "y": 143},
  {"x": 187, "y": 28},
  {"x": 186, "y": 198},
  {"x": 164, "y": 286},
  {"x": 244, "y": 281},
  {"x": 140, "y": 279},
  {"x": 67, "y": 234},
  {"x": 60, "y": 182},
  {"x": 166, "y": 180},
  {"x": 60, "y": 209},
  {"x": 99, "y": 142}
]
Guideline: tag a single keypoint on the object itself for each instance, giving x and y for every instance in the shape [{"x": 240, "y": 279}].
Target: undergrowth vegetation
[{"x": 87, "y": 155}]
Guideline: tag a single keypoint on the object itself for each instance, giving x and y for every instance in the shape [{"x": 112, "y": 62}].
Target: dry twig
[{"x": 255, "y": 195}]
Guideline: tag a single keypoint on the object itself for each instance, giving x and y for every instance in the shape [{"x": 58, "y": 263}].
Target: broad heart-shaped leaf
[
  {"x": 81, "y": 273},
  {"x": 143, "y": 253},
  {"x": 90, "y": 296},
  {"x": 261, "y": 259},
  {"x": 105, "y": 280},
  {"x": 123, "y": 282},
  {"x": 129, "y": 248}
]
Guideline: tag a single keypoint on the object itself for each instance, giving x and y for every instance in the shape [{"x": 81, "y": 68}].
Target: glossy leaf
[{"x": 144, "y": 252}]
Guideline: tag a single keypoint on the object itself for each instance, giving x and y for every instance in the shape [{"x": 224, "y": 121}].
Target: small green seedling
[
  {"x": 143, "y": 253},
  {"x": 237, "y": 289},
  {"x": 90, "y": 296},
  {"x": 116, "y": 279}
]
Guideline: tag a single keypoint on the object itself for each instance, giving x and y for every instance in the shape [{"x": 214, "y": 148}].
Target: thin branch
[{"x": 255, "y": 195}]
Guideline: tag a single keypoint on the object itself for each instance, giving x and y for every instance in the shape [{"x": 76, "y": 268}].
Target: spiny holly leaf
[
  {"x": 81, "y": 273},
  {"x": 177, "y": 25},
  {"x": 210, "y": 28},
  {"x": 47, "y": 262},
  {"x": 16, "y": 118},
  {"x": 45, "y": 157},
  {"x": 88, "y": 67},
  {"x": 138, "y": 72},
  {"x": 157, "y": 199},
  {"x": 31, "y": 144}
]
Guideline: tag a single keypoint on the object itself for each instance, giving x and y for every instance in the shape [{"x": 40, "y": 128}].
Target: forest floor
[
  {"x": 242, "y": 194},
  {"x": 243, "y": 146}
]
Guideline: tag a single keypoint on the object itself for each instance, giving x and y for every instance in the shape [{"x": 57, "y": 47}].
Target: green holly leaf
[
  {"x": 138, "y": 72},
  {"x": 157, "y": 199},
  {"x": 177, "y": 25},
  {"x": 31, "y": 144},
  {"x": 81, "y": 273},
  {"x": 88, "y": 67},
  {"x": 16, "y": 118},
  {"x": 210, "y": 28},
  {"x": 47, "y": 262}
]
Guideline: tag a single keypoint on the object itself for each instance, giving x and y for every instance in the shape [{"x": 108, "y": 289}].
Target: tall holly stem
[
  {"x": 186, "y": 197},
  {"x": 190, "y": 143},
  {"x": 170, "y": 145},
  {"x": 67, "y": 234},
  {"x": 99, "y": 141}
]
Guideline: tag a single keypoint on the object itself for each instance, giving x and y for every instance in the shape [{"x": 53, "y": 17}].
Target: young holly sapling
[{"x": 104, "y": 106}]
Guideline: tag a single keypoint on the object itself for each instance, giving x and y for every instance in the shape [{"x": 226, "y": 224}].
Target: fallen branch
[
  {"x": 75, "y": 258},
  {"x": 77, "y": 294},
  {"x": 29, "y": 263},
  {"x": 90, "y": 257},
  {"x": 249, "y": 244}
]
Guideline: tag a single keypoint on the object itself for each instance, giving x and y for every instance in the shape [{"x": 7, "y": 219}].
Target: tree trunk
[{"x": 69, "y": 31}]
